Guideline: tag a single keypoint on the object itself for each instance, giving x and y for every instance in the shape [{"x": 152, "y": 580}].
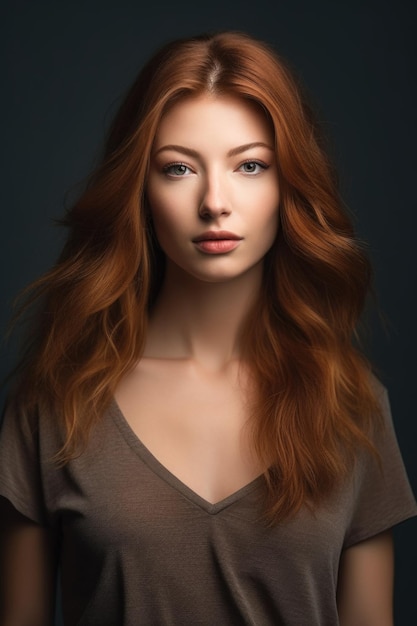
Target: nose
[{"x": 215, "y": 198}]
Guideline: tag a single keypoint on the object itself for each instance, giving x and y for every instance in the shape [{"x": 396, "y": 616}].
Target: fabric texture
[{"x": 138, "y": 547}]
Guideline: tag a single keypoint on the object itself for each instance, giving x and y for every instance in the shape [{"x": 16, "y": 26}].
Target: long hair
[{"x": 314, "y": 400}]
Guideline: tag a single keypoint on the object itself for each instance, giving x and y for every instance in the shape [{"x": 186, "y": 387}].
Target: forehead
[{"x": 208, "y": 118}]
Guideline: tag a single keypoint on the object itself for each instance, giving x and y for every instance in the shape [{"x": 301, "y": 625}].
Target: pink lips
[{"x": 217, "y": 241}]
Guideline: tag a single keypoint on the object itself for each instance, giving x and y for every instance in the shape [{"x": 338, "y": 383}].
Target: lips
[
  {"x": 217, "y": 242},
  {"x": 215, "y": 235}
]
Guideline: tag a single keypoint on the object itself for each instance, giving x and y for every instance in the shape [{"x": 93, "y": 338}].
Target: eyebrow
[{"x": 232, "y": 152}]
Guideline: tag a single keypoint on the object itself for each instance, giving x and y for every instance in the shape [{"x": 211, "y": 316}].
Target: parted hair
[{"x": 314, "y": 402}]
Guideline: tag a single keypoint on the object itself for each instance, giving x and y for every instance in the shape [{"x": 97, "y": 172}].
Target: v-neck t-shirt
[{"x": 140, "y": 548}]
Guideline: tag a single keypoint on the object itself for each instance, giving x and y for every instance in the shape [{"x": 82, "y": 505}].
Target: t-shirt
[{"x": 140, "y": 548}]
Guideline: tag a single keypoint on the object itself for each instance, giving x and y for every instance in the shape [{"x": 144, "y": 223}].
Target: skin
[
  {"x": 221, "y": 175},
  {"x": 229, "y": 182},
  {"x": 192, "y": 349},
  {"x": 365, "y": 587},
  {"x": 27, "y": 570}
]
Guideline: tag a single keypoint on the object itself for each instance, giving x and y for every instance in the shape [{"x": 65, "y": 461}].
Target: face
[{"x": 213, "y": 187}]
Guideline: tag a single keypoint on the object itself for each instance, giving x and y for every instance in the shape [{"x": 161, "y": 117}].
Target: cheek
[
  {"x": 165, "y": 228},
  {"x": 170, "y": 221},
  {"x": 163, "y": 210},
  {"x": 262, "y": 194},
  {"x": 270, "y": 229},
  {"x": 267, "y": 221},
  {"x": 268, "y": 210},
  {"x": 171, "y": 205}
]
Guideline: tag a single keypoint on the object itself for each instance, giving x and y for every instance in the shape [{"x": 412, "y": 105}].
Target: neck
[{"x": 201, "y": 320}]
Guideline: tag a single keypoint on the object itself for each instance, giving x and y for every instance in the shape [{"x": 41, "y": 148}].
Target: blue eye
[
  {"x": 176, "y": 169},
  {"x": 253, "y": 167}
]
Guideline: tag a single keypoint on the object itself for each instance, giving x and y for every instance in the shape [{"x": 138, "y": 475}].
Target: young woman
[{"x": 193, "y": 438}]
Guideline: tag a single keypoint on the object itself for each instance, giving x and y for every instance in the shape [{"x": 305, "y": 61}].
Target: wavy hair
[{"x": 314, "y": 399}]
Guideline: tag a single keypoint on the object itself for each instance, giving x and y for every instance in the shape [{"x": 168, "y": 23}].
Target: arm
[
  {"x": 365, "y": 587},
  {"x": 27, "y": 570}
]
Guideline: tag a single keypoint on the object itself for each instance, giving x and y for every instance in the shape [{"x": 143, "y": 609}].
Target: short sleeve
[
  {"x": 382, "y": 493},
  {"x": 20, "y": 473}
]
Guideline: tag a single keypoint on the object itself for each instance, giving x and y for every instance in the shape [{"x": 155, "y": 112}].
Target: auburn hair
[{"x": 314, "y": 398}]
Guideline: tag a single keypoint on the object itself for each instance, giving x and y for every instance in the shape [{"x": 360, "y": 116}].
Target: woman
[{"x": 193, "y": 437}]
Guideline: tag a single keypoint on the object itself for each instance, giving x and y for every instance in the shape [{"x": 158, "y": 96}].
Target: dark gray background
[{"x": 66, "y": 65}]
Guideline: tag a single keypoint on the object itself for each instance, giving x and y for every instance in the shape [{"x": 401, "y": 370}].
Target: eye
[
  {"x": 252, "y": 167},
  {"x": 176, "y": 169}
]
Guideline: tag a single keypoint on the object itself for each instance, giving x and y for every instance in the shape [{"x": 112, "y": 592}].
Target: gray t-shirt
[{"x": 139, "y": 548}]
